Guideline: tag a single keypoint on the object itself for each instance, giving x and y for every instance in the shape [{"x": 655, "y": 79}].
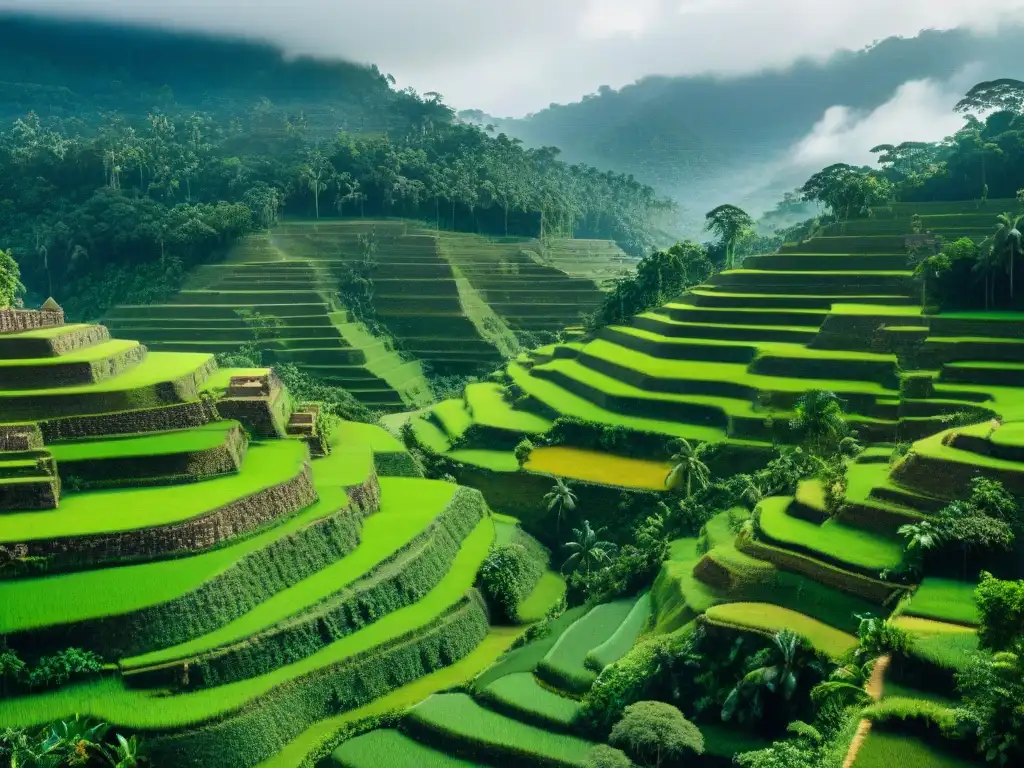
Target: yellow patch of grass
[{"x": 602, "y": 468}]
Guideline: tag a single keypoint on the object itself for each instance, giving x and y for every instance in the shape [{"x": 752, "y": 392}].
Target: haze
[{"x": 511, "y": 59}]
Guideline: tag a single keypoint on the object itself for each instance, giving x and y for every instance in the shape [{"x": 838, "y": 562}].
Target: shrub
[
  {"x": 10, "y": 282},
  {"x": 621, "y": 684},
  {"x": 834, "y": 481},
  {"x": 603, "y": 756},
  {"x": 523, "y": 450},
  {"x": 880, "y": 636},
  {"x": 334, "y": 400},
  {"x": 1001, "y": 604},
  {"x": 653, "y": 731},
  {"x": 992, "y": 691},
  {"x": 53, "y": 671},
  {"x": 507, "y": 576}
]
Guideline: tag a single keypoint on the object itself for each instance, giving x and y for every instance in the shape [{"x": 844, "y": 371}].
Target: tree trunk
[
  {"x": 453, "y": 215},
  {"x": 506, "y": 219},
  {"x": 437, "y": 213},
  {"x": 316, "y": 203}
]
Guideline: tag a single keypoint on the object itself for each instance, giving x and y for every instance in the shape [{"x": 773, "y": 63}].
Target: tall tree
[
  {"x": 730, "y": 224},
  {"x": 587, "y": 549}
]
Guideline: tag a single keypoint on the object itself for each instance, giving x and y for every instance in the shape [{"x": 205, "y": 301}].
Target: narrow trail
[{"x": 874, "y": 690}]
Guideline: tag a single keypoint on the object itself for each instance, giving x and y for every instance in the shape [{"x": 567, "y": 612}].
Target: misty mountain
[{"x": 708, "y": 140}]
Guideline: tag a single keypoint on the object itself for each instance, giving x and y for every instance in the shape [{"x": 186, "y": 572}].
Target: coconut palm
[
  {"x": 985, "y": 268},
  {"x": 846, "y": 685},
  {"x": 819, "y": 419},
  {"x": 560, "y": 499},
  {"x": 687, "y": 468},
  {"x": 1007, "y": 243},
  {"x": 780, "y": 677},
  {"x": 587, "y": 549}
]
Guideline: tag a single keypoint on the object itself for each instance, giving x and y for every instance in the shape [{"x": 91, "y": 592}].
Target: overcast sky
[{"x": 509, "y": 58}]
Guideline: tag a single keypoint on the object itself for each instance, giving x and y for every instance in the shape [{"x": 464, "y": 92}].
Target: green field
[
  {"x": 408, "y": 507},
  {"x": 266, "y": 466},
  {"x": 456, "y": 720},
  {"x": 392, "y": 748},
  {"x": 564, "y": 666},
  {"x": 772, "y": 618},
  {"x": 833, "y": 540},
  {"x": 156, "y": 444},
  {"x": 884, "y": 750},
  {"x": 945, "y": 600},
  {"x": 524, "y": 697},
  {"x": 109, "y": 700}
]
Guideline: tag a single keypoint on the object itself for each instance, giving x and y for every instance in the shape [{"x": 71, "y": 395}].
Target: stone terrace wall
[{"x": 17, "y": 320}]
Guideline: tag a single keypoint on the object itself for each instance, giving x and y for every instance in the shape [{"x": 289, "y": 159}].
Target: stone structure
[{"x": 17, "y": 320}]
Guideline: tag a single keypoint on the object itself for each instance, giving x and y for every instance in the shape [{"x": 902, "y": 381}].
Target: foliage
[
  {"x": 819, "y": 419},
  {"x": 731, "y": 225},
  {"x": 834, "y": 480},
  {"x": 78, "y": 742},
  {"x": 879, "y": 636},
  {"x": 660, "y": 276},
  {"x": 848, "y": 191},
  {"x": 10, "y": 280},
  {"x": 523, "y": 450},
  {"x": 633, "y": 566},
  {"x": 603, "y": 756},
  {"x": 919, "y": 538},
  {"x": 653, "y": 732},
  {"x": 992, "y": 691},
  {"x": 559, "y": 500},
  {"x": 688, "y": 468},
  {"x": 775, "y": 675},
  {"x": 966, "y": 525},
  {"x": 58, "y": 669},
  {"x": 335, "y": 401},
  {"x": 587, "y": 549},
  {"x": 802, "y": 751},
  {"x": 1001, "y": 604},
  {"x": 507, "y": 576}
]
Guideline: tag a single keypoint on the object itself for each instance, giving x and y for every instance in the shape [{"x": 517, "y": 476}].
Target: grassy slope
[
  {"x": 490, "y": 409},
  {"x": 945, "y": 600},
  {"x": 521, "y": 692},
  {"x": 107, "y": 699},
  {"x": 95, "y": 353},
  {"x": 158, "y": 367},
  {"x": 832, "y": 538},
  {"x": 772, "y": 618},
  {"x": 151, "y": 444},
  {"x": 496, "y": 643},
  {"x": 458, "y": 718},
  {"x": 407, "y": 508},
  {"x": 887, "y": 750},
  {"x": 394, "y": 749},
  {"x": 566, "y": 661},
  {"x": 265, "y": 466}
]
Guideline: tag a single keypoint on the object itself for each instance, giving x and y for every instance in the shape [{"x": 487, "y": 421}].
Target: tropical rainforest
[{"x": 337, "y": 429}]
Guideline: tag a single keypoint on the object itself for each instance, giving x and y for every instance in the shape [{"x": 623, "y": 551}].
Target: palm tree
[
  {"x": 985, "y": 267},
  {"x": 1007, "y": 242},
  {"x": 559, "y": 499},
  {"x": 754, "y": 490},
  {"x": 819, "y": 418},
  {"x": 688, "y": 468},
  {"x": 846, "y": 685},
  {"x": 587, "y": 549},
  {"x": 920, "y": 538},
  {"x": 731, "y": 224},
  {"x": 780, "y": 677}
]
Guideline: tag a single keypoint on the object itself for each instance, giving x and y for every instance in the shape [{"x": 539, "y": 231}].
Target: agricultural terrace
[
  {"x": 223, "y": 570},
  {"x": 727, "y": 364}
]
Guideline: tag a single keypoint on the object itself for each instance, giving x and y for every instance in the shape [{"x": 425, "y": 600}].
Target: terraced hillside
[
  {"x": 314, "y": 333},
  {"x": 527, "y": 295},
  {"x": 725, "y": 364},
  {"x": 245, "y": 582},
  {"x": 293, "y": 274}
]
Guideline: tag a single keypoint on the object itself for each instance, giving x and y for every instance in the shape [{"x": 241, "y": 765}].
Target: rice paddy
[
  {"x": 769, "y": 618},
  {"x": 597, "y": 467}
]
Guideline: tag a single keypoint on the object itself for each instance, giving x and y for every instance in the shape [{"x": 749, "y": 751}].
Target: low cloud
[{"x": 511, "y": 58}]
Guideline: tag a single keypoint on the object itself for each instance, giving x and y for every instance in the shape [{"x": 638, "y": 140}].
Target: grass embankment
[
  {"x": 107, "y": 698},
  {"x": 545, "y": 594},
  {"x": 948, "y": 646},
  {"x": 457, "y": 722},
  {"x": 489, "y": 408},
  {"x": 484, "y": 655},
  {"x": 568, "y": 404},
  {"x": 266, "y": 465},
  {"x": 892, "y": 750},
  {"x": 618, "y": 645},
  {"x": 832, "y": 540},
  {"x": 94, "y": 354},
  {"x": 524, "y": 698},
  {"x": 769, "y": 618},
  {"x": 945, "y": 600},
  {"x": 395, "y": 750},
  {"x": 407, "y": 508},
  {"x": 156, "y": 368},
  {"x": 564, "y": 666},
  {"x": 597, "y": 467},
  {"x": 193, "y": 440}
]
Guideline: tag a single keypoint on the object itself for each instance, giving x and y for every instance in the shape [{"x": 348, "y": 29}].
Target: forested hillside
[
  {"x": 669, "y": 131},
  {"x": 120, "y": 175}
]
